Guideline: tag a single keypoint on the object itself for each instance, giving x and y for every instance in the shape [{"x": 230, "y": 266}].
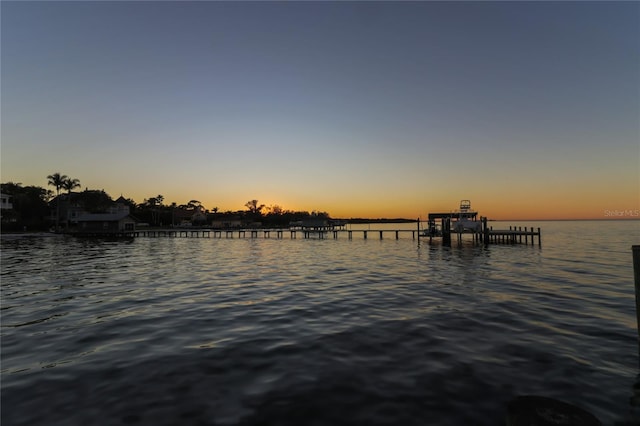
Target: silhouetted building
[{"x": 107, "y": 222}]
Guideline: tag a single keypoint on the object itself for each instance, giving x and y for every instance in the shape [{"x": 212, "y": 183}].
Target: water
[{"x": 317, "y": 332}]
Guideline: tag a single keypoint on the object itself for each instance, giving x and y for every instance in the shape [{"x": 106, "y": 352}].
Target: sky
[{"x": 531, "y": 110}]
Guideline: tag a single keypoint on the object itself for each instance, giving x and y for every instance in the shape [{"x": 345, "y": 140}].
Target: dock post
[
  {"x": 380, "y": 234},
  {"x": 539, "y": 240},
  {"x": 365, "y": 234},
  {"x": 418, "y": 226},
  {"x": 446, "y": 231},
  {"x": 636, "y": 279}
]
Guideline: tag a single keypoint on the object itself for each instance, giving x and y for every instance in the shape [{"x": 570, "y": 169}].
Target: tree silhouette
[
  {"x": 70, "y": 184},
  {"x": 94, "y": 201},
  {"x": 276, "y": 210},
  {"x": 155, "y": 204},
  {"x": 30, "y": 207},
  {"x": 253, "y": 207},
  {"x": 255, "y": 210},
  {"x": 193, "y": 204},
  {"x": 57, "y": 180}
]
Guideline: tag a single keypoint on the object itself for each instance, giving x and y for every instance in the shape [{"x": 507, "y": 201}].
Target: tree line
[
  {"x": 37, "y": 209},
  {"x": 155, "y": 212}
]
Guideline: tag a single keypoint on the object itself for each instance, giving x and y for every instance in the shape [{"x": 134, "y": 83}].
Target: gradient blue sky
[{"x": 361, "y": 109}]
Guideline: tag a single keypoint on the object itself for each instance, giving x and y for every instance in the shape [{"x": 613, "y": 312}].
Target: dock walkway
[
  {"x": 513, "y": 235},
  {"x": 278, "y": 233}
]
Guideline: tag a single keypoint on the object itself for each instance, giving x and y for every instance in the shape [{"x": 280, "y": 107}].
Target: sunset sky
[{"x": 362, "y": 109}]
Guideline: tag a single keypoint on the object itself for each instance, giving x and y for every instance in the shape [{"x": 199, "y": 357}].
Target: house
[
  {"x": 199, "y": 216},
  {"x": 226, "y": 221},
  {"x": 106, "y": 222},
  {"x": 185, "y": 217},
  {"x": 61, "y": 204},
  {"x": 119, "y": 206},
  {"x": 7, "y": 215},
  {"x": 116, "y": 219},
  {"x": 5, "y": 203}
]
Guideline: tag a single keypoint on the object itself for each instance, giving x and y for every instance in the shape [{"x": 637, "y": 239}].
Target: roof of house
[{"x": 104, "y": 217}]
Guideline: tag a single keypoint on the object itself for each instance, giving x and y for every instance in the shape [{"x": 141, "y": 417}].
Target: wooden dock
[
  {"x": 278, "y": 233},
  {"x": 513, "y": 235},
  {"x": 465, "y": 221}
]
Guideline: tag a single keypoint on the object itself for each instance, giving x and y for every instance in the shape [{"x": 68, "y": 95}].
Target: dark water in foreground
[{"x": 316, "y": 332}]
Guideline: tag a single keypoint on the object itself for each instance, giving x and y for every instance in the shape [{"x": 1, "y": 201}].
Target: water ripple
[{"x": 267, "y": 331}]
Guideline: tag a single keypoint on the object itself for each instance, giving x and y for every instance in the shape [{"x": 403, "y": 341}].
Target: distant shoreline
[{"x": 380, "y": 220}]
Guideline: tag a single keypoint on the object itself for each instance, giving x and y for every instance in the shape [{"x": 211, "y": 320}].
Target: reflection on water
[{"x": 267, "y": 331}]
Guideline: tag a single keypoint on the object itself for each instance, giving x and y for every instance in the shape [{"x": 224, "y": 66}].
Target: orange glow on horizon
[{"x": 407, "y": 202}]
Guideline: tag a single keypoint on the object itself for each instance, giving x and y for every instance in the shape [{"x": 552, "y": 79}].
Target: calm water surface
[{"x": 317, "y": 332}]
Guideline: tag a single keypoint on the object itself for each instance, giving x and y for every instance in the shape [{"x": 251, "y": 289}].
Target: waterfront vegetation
[{"x": 35, "y": 208}]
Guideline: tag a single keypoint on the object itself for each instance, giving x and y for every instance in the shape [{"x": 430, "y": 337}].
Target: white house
[{"x": 5, "y": 203}]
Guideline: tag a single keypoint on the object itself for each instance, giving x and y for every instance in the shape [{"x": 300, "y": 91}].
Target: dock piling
[
  {"x": 539, "y": 238},
  {"x": 636, "y": 279}
]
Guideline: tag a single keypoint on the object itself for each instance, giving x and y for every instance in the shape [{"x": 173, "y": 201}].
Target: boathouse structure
[
  {"x": 465, "y": 221},
  {"x": 106, "y": 223}
]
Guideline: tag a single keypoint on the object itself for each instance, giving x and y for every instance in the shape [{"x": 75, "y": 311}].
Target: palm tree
[
  {"x": 57, "y": 180},
  {"x": 70, "y": 184},
  {"x": 159, "y": 199}
]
